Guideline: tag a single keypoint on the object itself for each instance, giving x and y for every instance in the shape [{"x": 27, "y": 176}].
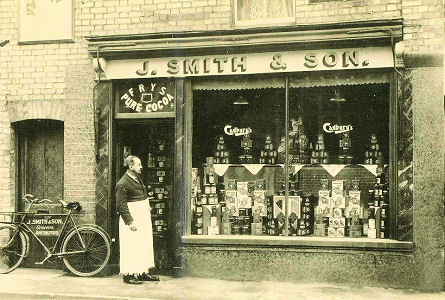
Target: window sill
[{"x": 299, "y": 242}]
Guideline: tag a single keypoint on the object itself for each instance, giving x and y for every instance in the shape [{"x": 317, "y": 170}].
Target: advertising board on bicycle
[{"x": 45, "y": 225}]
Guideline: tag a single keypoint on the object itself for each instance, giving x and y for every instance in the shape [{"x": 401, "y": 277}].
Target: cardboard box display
[
  {"x": 260, "y": 184},
  {"x": 243, "y": 198},
  {"x": 231, "y": 184},
  {"x": 294, "y": 206},
  {"x": 355, "y": 185},
  {"x": 324, "y": 184},
  {"x": 319, "y": 232},
  {"x": 259, "y": 197},
  {"x": 355, "y": 233},
  {"x": 278, "y": 205},
  {"x": 337, "y": 222},
  {"x": 354, "y": 198},
  {"x": 261, "y": 209},
  {"x": 372, "y": 233},
  {"x": 354, "y": 212},
  {"x": 324, "y": 198},
  {"x": 213, "y": 230},
  {"x": 208, "y": 219},
  {"x": 340, "y": 232},
  {"x": 337, "y": 212},
  {"x": 371, "y": 223},
  {"x": 331, "y": 232},
  {"x": 226, "y": 228},
  {"x": 232, "y": 202},
  {"x": 338, "y": 202},
  {"x": 337, "y": 188}
]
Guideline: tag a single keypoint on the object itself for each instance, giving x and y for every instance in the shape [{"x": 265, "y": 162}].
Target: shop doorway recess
[{"x": 153, "y": 142}]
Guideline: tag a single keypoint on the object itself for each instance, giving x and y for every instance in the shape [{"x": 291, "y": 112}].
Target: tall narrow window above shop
[{"x": 262, "y": 12}]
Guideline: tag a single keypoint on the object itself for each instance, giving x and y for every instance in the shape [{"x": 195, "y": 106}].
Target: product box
[
  {"x": 212, "y": 199},
  {"x": 278, "y": 205},
  {"x": 259, "y": 209},
  {"x": 256, "y": 228},
  {"x": 260, "y": 184},
  {"x": 354, "y": 198},
  {"x": 337, "y": 188},
  {"x": 231, "y": 184},
  {"x": 355, "y": 185},
  {"x": 355, "y": 233},
  {"x": 355, "y": 227},
  {"x": 371, "y": 223},
  {"x": 231, "y": 202},
  {"x": 244, "y": 201},
  {"x": 337, "y": 212},
  {"x": 319, "y": 226},
  {"x": 319, "y": 232},
  {"x": 226, "y": 228},
  {"x": 337, "y": 222},
  {"x": 324, "y": 184},
  {"x": 208, "y": 219},
  {"x": 259, "y": 197},
  {"x": 331, "y": 232},
  {"x": 324, "y": 199},
  {"x": 243, "y": 198},
  {"x": 250, "y": 187},
  {"x": 213, "y": 230},
  {"x": 372, "y": 233},
  {"x": 242, "y": 188},
  {"x": 340, "y": 232},
  {"x": 354, "y": 212},
  {"x": 338, "y": 202},
  {"x": 294, "y": 206}
]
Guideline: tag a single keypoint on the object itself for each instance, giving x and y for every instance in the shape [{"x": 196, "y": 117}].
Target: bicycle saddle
[{"x": 71, "y": 205}]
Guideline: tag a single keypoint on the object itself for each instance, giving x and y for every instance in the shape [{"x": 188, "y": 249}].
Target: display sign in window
[{"x": 146, "y": 96}]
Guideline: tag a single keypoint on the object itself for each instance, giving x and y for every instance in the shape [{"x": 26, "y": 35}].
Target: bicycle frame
[{"x": 22, "y": 226}]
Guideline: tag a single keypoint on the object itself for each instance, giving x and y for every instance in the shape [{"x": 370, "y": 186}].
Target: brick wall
[{"x": 44, "y": 71}]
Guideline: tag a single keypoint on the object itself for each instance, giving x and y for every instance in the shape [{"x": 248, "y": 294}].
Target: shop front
[{"x": 274, "y": 157}]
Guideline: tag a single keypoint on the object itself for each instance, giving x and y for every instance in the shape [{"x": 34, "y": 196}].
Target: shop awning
[{"x": 300, "y": 80}]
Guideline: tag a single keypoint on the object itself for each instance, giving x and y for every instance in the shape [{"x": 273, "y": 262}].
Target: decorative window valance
[{"x": 300, "y": 80}]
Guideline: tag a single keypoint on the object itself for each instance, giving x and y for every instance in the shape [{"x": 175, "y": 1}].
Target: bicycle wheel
[
  {"x": 93, "y": 258},
  {"x": 13, "y": 245}
]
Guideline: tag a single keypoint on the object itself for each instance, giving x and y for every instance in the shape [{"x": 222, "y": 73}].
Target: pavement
[{"x": 55, "y": 284}]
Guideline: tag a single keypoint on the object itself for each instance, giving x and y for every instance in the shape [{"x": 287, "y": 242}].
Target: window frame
[
  {"x": 349, "y": 242},
  {"x": 263, "y": 22}
]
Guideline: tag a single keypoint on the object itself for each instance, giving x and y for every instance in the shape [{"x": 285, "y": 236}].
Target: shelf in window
[
  {"x": 157, "y": 215},
  {"x": 299, "y": 242},
  {"x": 158, "y": 200}
]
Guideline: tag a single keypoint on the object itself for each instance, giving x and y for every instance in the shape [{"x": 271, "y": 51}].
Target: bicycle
[{"x": 85, "y": 249}]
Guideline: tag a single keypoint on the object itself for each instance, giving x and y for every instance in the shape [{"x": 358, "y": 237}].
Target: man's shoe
[
  {"x": 148, "y": 277},
  {"x": 130, "y": 279}
]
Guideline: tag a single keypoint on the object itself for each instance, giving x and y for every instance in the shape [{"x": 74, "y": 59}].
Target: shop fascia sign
[
  {"x": 335, "y": 128},
  {"x": 250, "y": 63}
]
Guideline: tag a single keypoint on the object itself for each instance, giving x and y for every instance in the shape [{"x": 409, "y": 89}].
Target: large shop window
[
  {"x": 337, "y": 155},
  {"x": 260, "y": 12},
  {"x": 40, "y": 158}
]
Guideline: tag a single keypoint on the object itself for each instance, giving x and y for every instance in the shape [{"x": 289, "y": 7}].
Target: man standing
[{"x": 135, "y": 230}]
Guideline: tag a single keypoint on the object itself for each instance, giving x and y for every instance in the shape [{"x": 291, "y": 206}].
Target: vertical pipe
[{"x": 286, "y": 157}]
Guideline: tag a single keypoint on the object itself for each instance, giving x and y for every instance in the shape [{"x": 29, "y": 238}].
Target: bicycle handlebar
[{"x": 31, "y": 199}]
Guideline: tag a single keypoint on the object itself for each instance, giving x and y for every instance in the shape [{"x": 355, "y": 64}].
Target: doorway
[{"x": 153, "y": 142}]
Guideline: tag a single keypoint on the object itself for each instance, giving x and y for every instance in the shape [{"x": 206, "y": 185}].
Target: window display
[{"x": 336, "y": 149}]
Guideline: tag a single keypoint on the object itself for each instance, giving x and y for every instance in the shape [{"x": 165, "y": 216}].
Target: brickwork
[{"x": 63, "y": 72}]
